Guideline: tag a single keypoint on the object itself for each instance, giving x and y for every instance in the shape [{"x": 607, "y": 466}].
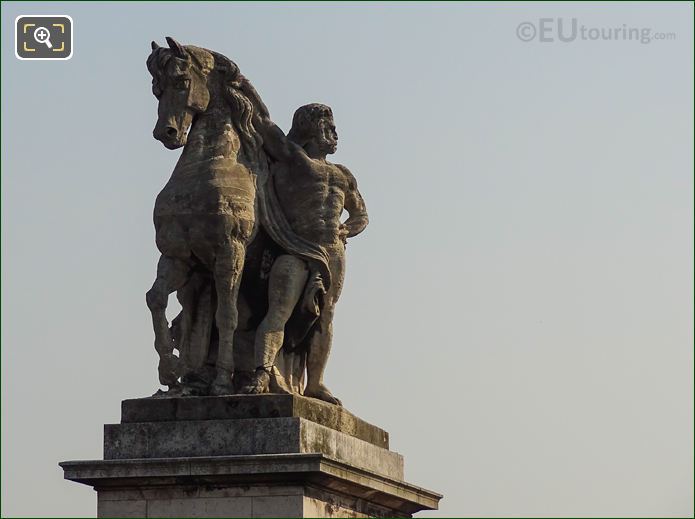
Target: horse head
[
  {"x": 189, "y": 80},
  {"x": 179, "y": 81}
]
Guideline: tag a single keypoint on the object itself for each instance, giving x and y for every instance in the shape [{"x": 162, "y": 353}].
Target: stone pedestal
[{"x": 247, "y": 456}]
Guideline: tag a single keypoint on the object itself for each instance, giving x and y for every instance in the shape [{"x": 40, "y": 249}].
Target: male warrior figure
[{"x": 312, "y": 194}]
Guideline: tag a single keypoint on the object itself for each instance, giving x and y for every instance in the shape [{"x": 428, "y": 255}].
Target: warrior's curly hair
[{"x": 305, "y": 120}]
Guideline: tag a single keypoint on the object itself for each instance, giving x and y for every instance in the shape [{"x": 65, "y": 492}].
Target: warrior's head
[{"x": 313, "y": 125}]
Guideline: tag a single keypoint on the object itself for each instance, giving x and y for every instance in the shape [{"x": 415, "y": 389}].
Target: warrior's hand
[{"x": 343, "y": 232}]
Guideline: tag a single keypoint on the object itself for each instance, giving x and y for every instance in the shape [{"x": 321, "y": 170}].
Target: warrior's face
[{"x": 326, "y": 137}]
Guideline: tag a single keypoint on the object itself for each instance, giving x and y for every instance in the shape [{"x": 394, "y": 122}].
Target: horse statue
[{"x": 205, "y": 216}]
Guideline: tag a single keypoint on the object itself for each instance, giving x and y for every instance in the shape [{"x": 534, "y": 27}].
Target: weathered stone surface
[
  {"x": 283, "y": 485},
  {"x": 121, "y": 508},
  {"x": 251, "y": 406},
  {"x": 201, "y": 507},
  {"x": 242, "y": 437}
]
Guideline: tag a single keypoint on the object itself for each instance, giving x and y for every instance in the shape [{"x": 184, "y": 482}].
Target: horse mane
[{"x": 243, "y": 100}]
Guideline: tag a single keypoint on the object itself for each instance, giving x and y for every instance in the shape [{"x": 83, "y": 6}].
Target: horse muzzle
[{"x": 171, "y": 137}]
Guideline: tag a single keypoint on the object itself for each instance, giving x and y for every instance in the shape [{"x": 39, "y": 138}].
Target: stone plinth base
[
  {"x": 271, "y": 485},
  {"x": 247, "y": 456}
]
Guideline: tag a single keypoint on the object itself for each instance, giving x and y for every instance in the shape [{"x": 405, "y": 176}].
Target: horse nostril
[{"x": 171, "y": 132}]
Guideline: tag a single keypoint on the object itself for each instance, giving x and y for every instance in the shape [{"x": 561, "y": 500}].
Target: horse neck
[{"x": 211, "y": 137}]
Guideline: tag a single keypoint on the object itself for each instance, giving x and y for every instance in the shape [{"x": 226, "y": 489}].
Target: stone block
[
  {"x": 190, "y": 438},
  {"x": 282, "y": 485},
  {"x": 278, "y": 506},
  {"x": 236, "y": 407},
  {"x": 121, "y": 508},
  {"x": 201, "y": 507}
]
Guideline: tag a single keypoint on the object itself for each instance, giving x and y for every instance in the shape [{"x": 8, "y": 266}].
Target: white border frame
[{"x": 72, "y": 37}]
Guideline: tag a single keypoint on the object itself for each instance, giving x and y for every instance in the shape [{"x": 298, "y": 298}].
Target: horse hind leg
[
  {"x": 172, "y": 274},
  {"x": 228, "y": 267}
]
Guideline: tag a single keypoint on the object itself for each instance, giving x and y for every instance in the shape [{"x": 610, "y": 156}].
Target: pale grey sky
[{"x": 518, "y": 314}]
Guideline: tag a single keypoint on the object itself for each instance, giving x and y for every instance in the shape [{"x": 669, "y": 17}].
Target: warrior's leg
[
  {"x": 320, "y": 345},
  {"x": 285, "y": 287},
  {"x": 228, "y": 267},
  {"x": 172, "y": 274}
]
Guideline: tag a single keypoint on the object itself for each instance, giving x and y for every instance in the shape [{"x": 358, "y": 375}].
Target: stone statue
[{"x": 249, "y": 227}]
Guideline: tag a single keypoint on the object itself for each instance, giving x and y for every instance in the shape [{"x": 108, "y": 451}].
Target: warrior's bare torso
[{"x": 312, "y": 193}]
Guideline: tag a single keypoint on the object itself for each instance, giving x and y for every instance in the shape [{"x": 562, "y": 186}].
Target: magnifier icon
[{"x": 42, "y": 35}]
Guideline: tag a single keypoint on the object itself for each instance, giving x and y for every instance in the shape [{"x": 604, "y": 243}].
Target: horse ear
[
  {"x": 176, "y": 47},
  {"x": 154, "y": 45}
]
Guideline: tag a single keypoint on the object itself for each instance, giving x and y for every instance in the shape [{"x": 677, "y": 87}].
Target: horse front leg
[
  {"x": 172, "y": 274},
  {"x": 229, "y": 264}
]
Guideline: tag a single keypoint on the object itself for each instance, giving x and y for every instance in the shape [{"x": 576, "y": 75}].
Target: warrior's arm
[
  {"x": 354, "y": 204},
  {"x": 275, "y": 142}
]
